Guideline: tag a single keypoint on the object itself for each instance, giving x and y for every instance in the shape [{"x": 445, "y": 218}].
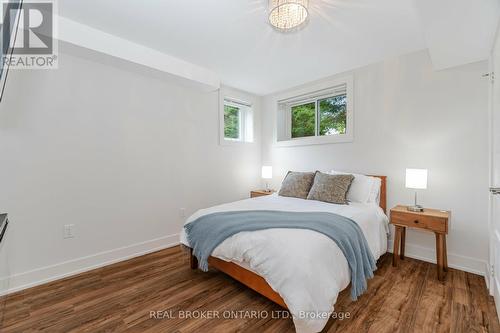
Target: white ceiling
[{"x": 233, "y": 39}]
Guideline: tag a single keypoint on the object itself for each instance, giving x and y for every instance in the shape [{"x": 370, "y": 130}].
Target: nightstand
[
  {"x": 431, "y": 220},
  {"x": 260, "y": 193}
]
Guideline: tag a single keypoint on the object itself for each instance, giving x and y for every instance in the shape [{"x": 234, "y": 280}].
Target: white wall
[
  {"x": 116, "y": 151},
  {"x": 407, "y": 115}
]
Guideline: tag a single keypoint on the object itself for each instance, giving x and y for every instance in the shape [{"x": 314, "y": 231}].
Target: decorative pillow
[
  {"x": 364, "y": 189},
  {"x": 330, "y": 188},
  {"x": 296, "y": 184}
]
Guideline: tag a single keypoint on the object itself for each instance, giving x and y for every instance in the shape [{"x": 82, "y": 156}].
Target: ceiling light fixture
[{"x": 288, "y": 15}]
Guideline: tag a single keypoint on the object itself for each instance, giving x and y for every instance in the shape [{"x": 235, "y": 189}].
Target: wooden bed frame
[{"x": 257, "y": 282}]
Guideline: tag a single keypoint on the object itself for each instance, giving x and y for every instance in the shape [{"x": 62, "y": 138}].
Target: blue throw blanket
[{"x": 207, "y": 232}]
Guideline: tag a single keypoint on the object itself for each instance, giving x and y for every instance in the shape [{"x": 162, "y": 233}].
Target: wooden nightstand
[
  {"x": 432, "y": 220},
  {"x": 260, "y": 193}
]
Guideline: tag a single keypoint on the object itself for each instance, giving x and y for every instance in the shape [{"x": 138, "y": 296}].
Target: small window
[
  {"x": 322, "y": 116},
  {"x": 232, "y": 122},
  {"x": 237, "y": 121}
]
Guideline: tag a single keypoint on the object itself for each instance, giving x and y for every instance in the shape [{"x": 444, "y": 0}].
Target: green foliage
[
  {"x": 332, "y": 117},
  {"x": 303, "y": 120},
  {"x": 231, "y": 122}
]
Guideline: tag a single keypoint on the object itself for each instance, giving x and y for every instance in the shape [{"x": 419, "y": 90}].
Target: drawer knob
[{"x": 416, "y": 221}]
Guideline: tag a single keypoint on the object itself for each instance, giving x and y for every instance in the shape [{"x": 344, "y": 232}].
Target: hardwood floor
[{"x": 119, "y": 298}]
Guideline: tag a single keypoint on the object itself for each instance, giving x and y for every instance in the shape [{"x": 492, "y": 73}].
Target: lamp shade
[
  {"x": 267, "y": 172},
  {"x": 416, "y": 178}
]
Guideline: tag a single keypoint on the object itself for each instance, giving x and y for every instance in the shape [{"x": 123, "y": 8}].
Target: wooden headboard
[{"x": 383, "y": 192}]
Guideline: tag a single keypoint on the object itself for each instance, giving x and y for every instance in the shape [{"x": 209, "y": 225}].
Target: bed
[{"x": 277, "y": 262}]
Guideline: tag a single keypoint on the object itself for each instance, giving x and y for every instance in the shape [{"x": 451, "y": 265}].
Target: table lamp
[
  {"x": 416, "y": 179},
  {"x": 267, "y": 173}
]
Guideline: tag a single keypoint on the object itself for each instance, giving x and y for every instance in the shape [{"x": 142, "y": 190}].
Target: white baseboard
[
  {"x": 487, "y": 280},
  {"x": 463, "y": 263},
  {"x": 61, "y": 270}
]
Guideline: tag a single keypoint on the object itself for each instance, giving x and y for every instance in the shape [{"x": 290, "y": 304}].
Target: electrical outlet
[
  {"x": 69, "y": 231},
  {"x": 182, "y": 212}
]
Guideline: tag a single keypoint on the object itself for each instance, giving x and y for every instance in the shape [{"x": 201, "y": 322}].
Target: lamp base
[{"x": 416, "y": 208}]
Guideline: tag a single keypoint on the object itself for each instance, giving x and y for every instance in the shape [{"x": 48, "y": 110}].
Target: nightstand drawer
[
  {"x": 260, "y": 193},
  {"x": 419, "y": 221}
]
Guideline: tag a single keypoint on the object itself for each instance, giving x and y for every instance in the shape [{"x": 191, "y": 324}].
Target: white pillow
[
  {"x": 375, "y": 193},
  {"x": 364, "y": 189}
]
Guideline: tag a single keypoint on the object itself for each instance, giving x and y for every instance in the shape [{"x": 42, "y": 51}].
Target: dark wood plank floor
[{"x": 119, "y": 298}]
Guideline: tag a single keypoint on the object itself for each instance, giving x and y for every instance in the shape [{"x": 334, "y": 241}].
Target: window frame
[
  {"x": 246, "y": 123},
  {"x": 313, "y": 93}
]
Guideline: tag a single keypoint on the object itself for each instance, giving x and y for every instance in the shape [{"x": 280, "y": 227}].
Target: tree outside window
[
  {"x": 326, "y": 116},
  {"x": 231, "y": 122},
  {"x": 304, "y": 120},
  {"x": 332, "y": 115}
]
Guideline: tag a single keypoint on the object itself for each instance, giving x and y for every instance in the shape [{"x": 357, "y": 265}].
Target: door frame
[{"x": 492, "y": 280}]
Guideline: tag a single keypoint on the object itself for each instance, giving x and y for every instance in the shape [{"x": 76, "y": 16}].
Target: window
[
  {"x": 321, "y": 116},
  {"x": 324, "y": 116},
  {"x": 232, "y": 122},
  {"x": 237, "y": 121},
  {"x": 303, "y": 120},
  {"x": 332, "y": 114}
]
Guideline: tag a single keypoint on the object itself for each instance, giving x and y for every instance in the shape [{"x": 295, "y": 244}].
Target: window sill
[
  {"x": 223, "y": 142},
  {"x": 315, "y": 140}
]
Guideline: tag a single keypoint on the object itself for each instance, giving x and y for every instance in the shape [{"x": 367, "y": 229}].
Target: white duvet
[{"x": 305, "y": 267}]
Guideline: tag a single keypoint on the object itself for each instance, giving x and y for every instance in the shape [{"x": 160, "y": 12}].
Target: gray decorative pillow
[
  {"x": 296, "y": 184},
  {"x": 330, "y": 188}
]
